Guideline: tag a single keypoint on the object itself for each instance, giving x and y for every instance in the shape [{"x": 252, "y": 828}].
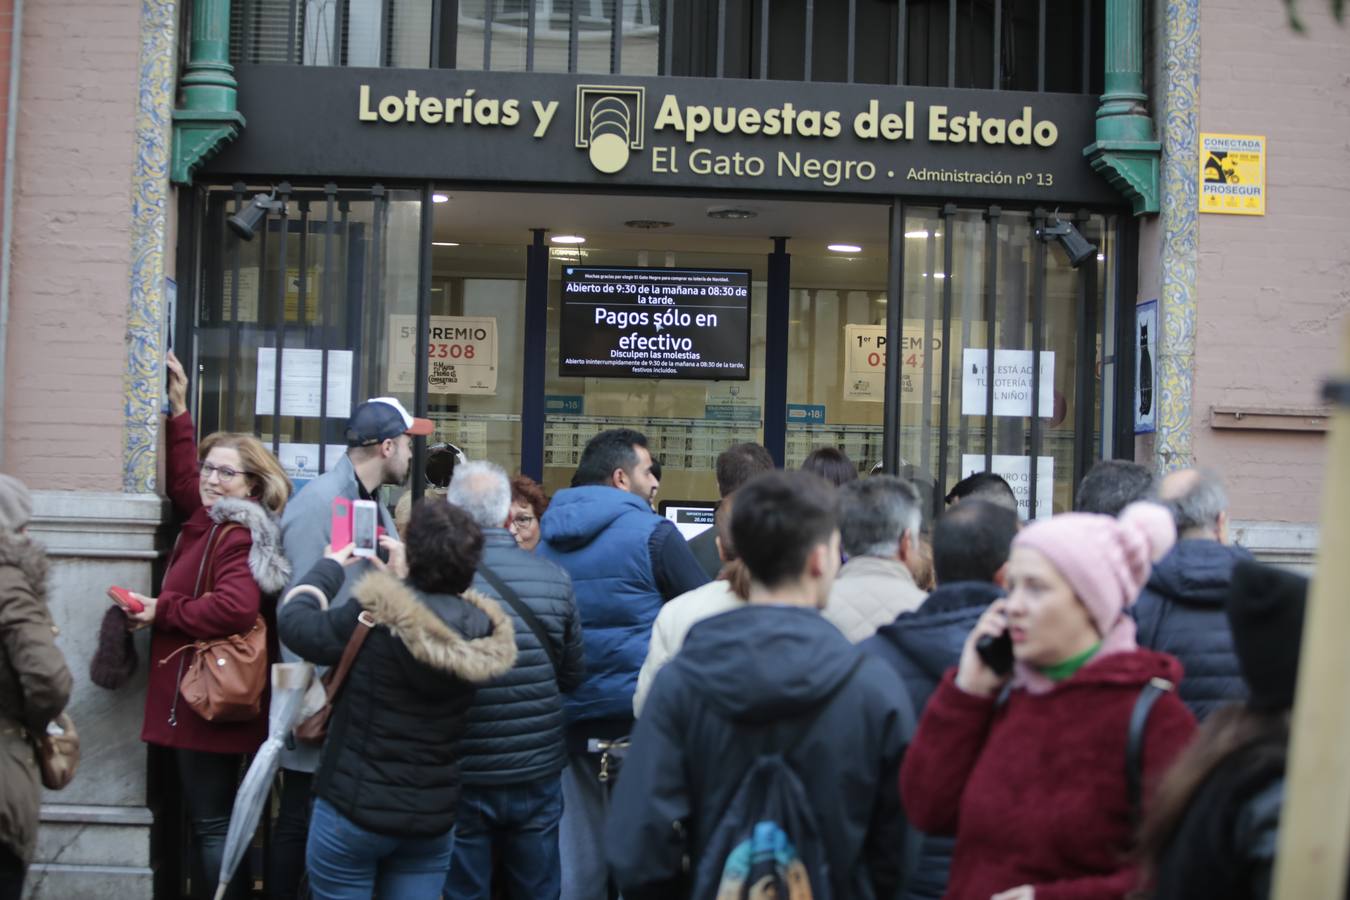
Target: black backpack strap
[
  {"x": 526, "y": 614},
  {"x": 1134, "y": 746}
]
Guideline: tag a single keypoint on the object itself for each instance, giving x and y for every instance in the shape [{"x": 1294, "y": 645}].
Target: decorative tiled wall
[
  {"x": 1176, "y": 362},
  {"x": 143, "y": 379}
]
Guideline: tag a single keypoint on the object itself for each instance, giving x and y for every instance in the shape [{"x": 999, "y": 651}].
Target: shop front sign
[
  {"x": 704, "y": 134},
  {"x": 461, "y": 354}
]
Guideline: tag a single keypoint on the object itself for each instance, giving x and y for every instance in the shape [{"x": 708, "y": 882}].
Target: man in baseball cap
[
  {"x": 379, "y": 452},
  {"x": 381, "y": 419}
]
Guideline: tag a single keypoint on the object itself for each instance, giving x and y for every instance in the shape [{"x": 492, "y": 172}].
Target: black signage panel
[
  {"x": 622, "y": 322},
  {"x": 700, "y": 134}
]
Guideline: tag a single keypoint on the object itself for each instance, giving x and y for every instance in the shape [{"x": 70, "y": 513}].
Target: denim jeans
[
  {"x": 289, "y": 835},
  {"x": 520, "y": 822},
  {"x": 581, "y": 834},
  {"x": 347, "y": 862}
]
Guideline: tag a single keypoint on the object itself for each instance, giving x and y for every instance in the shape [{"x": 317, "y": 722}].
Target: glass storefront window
[
  {"x": 475, "y": 284},
  {"x": 326, "y": 282},
  {"x": 836, "y": 349}
]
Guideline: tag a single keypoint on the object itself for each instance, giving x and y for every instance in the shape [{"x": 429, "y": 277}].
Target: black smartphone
[{"x": 997, "y": 652}]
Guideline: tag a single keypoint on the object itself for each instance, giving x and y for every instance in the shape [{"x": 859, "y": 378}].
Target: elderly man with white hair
[
  {"x": 512, "y": 751},
  {"x": 879, "y": 521}
]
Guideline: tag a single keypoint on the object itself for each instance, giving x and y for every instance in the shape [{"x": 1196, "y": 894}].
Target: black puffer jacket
[
  {"x": 1181, "y": 612},
  {"x": 515, "y": 724},
  {"x": 391, "y": 761},
  {"x": 921, "y": 646}
]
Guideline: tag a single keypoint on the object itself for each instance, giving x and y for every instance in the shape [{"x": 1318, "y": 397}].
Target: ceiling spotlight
[
  {"x": 1069, "y": 238},
  {"x": 916, "y": 235},
  {"x": 568, "y": 239},
  {"x": 647, "y": 224},
  {"x": 245, "y": 222},
  {"x": 439, "y": 198},
  {"x": 444, "y": 244},
  {"x": 731, "y": 212},
  {"x": 844, "y": 248}
]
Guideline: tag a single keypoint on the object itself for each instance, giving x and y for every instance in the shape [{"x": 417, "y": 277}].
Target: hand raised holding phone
[{"x": 975, "y": 674}]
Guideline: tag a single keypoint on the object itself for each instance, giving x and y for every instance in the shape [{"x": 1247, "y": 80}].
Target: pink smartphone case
[{"x": 341, "y": 533}]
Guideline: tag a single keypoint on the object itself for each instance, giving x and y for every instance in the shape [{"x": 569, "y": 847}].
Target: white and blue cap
[{"x": 382, "y": 418}]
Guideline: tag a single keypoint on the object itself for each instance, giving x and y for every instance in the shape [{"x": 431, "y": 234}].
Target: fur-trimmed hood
[
  {"x": 397, "y": 607},
  {"x": 270, "y": 568},
  {"x": 29, "y": 558}
]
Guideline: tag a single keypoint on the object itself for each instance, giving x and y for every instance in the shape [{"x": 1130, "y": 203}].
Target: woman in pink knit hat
[{"x": 1028, "y": 769}]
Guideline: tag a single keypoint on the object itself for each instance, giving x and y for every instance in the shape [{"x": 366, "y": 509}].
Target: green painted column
[
  {"x": 1125, "y": 152},
  {"x": 209, "y": 117}
]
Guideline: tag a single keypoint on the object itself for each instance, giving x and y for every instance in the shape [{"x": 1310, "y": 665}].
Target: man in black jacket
[
  {"x": 772, "y": 675},
  {"x": 513, "y": 752},
  {"x": 1181, "y": 609},
  {"x": 970, "y": 552}
]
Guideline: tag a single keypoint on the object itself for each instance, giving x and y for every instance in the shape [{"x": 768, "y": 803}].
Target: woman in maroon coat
[
  {"x": 1034, "y": 787},
  {"x": 231, "y": 479}
]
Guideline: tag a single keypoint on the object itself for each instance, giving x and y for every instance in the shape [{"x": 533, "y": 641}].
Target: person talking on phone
[
  {"x": 1024, "y": 750},
  {"x": 226, "y": 570},
  {"x": 379, "y": 453}
]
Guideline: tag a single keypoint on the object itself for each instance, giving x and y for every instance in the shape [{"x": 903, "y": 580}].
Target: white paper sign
[
  {"x": 301, "y": 461},
  {"x": 462, "y": 354},
  {"x": 302, "y": 382},
  {"x": 1016, "y": 470},
  {"x": 1012, "y": 382}
]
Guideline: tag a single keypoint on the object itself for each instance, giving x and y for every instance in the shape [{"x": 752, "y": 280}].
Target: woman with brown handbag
[
  {"x": 217, "y": 597},
  {"x": 34, "y": 682}
]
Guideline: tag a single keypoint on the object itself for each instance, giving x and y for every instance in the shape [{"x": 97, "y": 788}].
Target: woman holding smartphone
[
  {"x": 231, "y": 479},
  {"x": 1033, "y": 784},
  {"x": 388, "y": 778}
]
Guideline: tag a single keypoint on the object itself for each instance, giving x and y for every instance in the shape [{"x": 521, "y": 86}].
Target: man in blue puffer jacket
[
  {"x": 625, "y": 561},
  {"x": 512, "y": 753},
  {"x": 1181, "y": 609},
  {"x": 970, "y": 548}
]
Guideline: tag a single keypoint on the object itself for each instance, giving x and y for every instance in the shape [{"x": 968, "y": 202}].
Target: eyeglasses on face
[
  {"x": 224, "y": 474},
  {"x": 523, "y": 521}
]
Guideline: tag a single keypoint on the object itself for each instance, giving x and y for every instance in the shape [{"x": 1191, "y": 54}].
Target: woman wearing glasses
[
  {"x": 229, "y": 480},
  {"x": 527, "y": 508}
]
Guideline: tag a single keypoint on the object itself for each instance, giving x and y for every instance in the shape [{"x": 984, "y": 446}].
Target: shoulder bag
[
  {"x": 1134, "y": 744},
  {"x": 224, "y": 682},
  {"x": 314, "y": 729},
  {"x": 526, "y": 614}
]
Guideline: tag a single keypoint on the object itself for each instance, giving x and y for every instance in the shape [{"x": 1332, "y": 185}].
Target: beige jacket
[
  {"x": 672, "y": 625},
  {"x": 870, "y": 592}
]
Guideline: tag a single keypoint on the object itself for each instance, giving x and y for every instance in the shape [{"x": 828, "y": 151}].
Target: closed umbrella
[{"x": 289, "y": 683}]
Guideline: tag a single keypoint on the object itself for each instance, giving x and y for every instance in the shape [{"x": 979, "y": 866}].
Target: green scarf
[{"x": 1067, "y": 669}]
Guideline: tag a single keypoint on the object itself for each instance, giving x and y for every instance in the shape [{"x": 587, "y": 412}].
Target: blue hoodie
[
  {"x": 750, "y": 679},
  {"x": 602, "y": 536}
]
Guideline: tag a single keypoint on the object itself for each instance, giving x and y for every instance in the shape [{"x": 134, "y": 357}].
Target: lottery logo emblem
[{"x": 610, "y": 122}]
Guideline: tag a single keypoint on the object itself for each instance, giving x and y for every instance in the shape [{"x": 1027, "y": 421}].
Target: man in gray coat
[
  {"x": 512, "y": 753},
  {"x": 379, "y": 452}
]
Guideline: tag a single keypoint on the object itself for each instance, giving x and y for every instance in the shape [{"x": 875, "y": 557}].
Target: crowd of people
[{"x": 824, "y": 695}]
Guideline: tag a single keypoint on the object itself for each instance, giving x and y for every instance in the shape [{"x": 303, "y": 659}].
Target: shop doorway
[{"x": 348, "y": 282}]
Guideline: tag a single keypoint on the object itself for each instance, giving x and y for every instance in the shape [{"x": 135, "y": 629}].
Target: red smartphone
[
  {"x": 340, "y": 534},
  {"x": 122, "y": 597}
]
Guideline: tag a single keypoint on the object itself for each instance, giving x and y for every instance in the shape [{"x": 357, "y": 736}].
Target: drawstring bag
[{"x": 225, "y": 679}]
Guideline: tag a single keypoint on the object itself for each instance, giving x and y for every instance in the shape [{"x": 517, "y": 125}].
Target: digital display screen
[
  {"x": 622, "y": 322},
  {"x": 691, "y": 517}
]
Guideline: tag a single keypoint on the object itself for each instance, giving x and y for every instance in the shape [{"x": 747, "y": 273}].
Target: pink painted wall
[
  {"x": 1274, "y": 291},
  {"x": 72, "y": 244}
]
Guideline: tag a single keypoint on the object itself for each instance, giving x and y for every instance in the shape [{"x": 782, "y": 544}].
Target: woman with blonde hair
[{"x": 222, "y": 579}]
